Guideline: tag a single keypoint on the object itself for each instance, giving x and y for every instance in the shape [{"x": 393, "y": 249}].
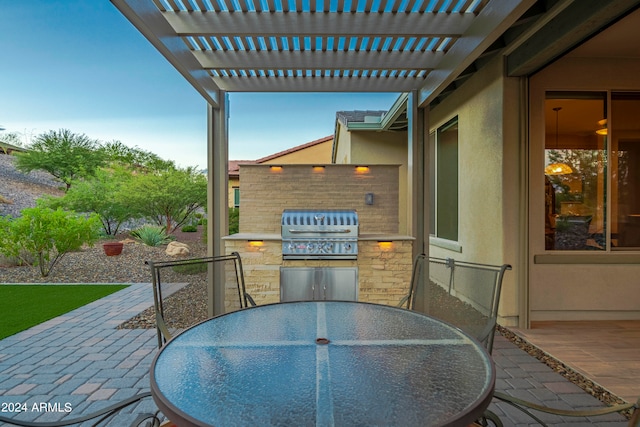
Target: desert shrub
[
  {"x": 234, "y": 220},
  {"x": 199, "y": 218},
  {"x": 189, "y": 228},
  {"x": 42, "y": 236},
  {"x": 152, "y": 235}
]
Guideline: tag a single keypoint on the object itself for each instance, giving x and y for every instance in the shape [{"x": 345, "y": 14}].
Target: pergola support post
[
  {"x": 217, "y": 201},
  {"x": 418, "y": 162}
]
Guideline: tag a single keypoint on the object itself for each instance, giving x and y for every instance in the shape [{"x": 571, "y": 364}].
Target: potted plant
[{"x": 112, "y": 248}]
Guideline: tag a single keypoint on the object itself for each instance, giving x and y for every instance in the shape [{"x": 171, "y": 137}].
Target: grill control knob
[
  {"x": 328, "y": 247},
  {"x": 291, "y": 246},
  {"x": 311, "y": 247},
  {"x": 348, "y": 246}
]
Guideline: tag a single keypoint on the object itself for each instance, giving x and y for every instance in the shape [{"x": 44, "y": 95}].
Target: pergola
[{"x": 420, "y": 47}]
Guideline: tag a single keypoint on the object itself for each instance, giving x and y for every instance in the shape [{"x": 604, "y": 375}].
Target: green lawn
[{"x": 24, "y": 306}]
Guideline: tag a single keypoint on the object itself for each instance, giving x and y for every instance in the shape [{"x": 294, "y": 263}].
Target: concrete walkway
[{"x": 79, "y": 362}]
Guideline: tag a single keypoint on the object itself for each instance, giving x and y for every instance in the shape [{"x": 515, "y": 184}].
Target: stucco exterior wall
[
  {"x": 576, "y": 286},
  {"x": 487, "y": 107},
  {"x": 384, "y": 148},
  {"x": 342, "y": 145},
  {"x": 315, "y": 154}
]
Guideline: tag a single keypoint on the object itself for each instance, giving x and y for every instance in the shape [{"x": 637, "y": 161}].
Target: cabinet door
[
  {"x": 318, "y": 283},
  {"x": 340, "y": 283},
  {"x": 297, "y": 284}
]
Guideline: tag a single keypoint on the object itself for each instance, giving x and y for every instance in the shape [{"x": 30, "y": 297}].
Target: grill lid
[
  {"x": 319, "y": 218},
  {"x": 319, "y": 234}
]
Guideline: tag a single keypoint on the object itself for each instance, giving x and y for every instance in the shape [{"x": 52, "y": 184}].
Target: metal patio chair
[
  {"x": 234, "y": 273},
  {"x": 467, "y": 295},
  {"x": 464, "y": 294},
  {"x": 529, "y": 408}
]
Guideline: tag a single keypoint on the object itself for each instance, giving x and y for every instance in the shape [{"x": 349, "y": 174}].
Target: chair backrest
[
  {"x": 234, "y": 273},
  {"x": 464, "y": 294}
]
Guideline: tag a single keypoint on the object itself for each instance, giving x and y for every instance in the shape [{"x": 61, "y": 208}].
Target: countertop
[{"x": 278, "y": 237}]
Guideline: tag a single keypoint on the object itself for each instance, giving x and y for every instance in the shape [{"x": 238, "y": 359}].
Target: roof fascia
[
  {"x": 151, "y": 23},
  {"x": 396, "y": 110},
  {"x": 399, "y": 106}
]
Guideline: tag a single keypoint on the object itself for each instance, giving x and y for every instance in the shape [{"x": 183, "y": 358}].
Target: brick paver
[{"x": 79, "y": 363}]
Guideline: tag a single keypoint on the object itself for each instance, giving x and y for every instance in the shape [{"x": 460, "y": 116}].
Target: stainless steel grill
[{"x": 319, "y": 234}]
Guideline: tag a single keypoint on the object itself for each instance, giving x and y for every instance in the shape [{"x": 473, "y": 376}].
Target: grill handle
[{"x": 344, "y": 230}]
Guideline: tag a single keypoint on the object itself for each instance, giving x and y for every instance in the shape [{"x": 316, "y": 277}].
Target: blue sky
[{"x": 80, "y": 65}]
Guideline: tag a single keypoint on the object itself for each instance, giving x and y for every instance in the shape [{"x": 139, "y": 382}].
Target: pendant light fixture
[{"x": 557, "y": 168}]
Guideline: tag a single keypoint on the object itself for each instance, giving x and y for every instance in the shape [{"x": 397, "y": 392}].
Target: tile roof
[
  {"x": 234, "y": 166},
  {"x": 294, "y": 149},
  {"x": 358, "y": 116}
]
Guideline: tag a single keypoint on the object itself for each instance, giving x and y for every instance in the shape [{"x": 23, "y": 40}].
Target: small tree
[
  {"x": 63, "y": 154},
  {"x": 99, "y": 194},
  {"x": 169, "y": 198},
  {"x": 136, "y": 158},
  {"x": 42, "y": 236}
]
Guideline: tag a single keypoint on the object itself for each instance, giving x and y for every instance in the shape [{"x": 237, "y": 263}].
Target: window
[
  {"x": 592, "y": 178},
  {"x": 625, "y": 171},
  {"x": 443, "y": 171},
  {"x": 236, "y": 197}
]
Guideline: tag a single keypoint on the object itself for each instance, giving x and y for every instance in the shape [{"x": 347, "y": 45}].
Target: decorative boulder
[{"x": 177, "y": 249}]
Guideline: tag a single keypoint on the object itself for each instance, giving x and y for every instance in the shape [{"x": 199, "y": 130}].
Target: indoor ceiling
[
  {"x": 621, "y": 40},
  {"x": 580, "y": 116}
]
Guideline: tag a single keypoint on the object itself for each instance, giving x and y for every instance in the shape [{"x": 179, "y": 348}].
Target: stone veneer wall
[
  {"x": 265, "y": 193},
  {"x": 383, "y": 273}
]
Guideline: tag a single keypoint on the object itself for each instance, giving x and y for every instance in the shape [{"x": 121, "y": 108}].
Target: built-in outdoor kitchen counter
[
  {"x": 383, "y": 266},
  {"x": 321, "y": 232}
]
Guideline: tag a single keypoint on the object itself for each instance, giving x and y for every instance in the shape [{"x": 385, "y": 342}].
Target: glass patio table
[{"x": 322, "y": 363}]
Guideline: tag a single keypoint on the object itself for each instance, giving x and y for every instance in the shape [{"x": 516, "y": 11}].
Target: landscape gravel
[
  {"x": 91, "y": 265},
  {"x": 20, "y": 190}
]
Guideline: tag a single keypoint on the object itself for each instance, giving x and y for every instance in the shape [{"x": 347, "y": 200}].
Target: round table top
[{"x": 322, "y": 363}]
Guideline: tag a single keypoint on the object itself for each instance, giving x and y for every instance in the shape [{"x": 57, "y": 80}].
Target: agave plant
[{"x": 152, "y": 235}]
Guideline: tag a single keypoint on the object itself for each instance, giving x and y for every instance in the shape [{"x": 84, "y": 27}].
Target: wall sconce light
[
  {"x": 385, "y": 245},
  {"x": 318, "y": 168},
  {"x": 256, "y": 243},
  {"x": 276, "y": 168},
  {"x": 362, "y": 169},
  {"x": 368, "y": 199}
]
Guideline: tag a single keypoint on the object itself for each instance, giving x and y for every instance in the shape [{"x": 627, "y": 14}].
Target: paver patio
[{"x": 81, "y": 360}]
